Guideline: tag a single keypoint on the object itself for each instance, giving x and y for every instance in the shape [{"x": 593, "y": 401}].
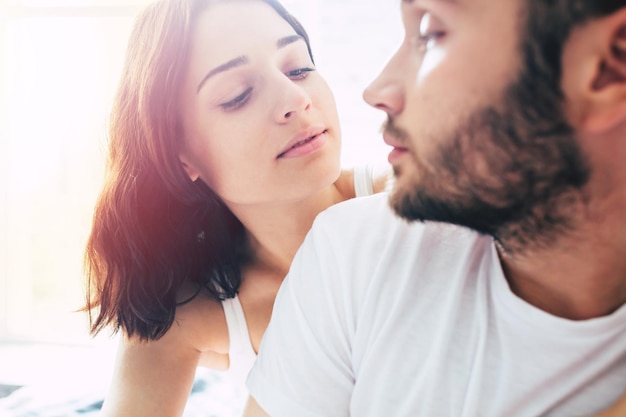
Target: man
[{"x": 507, "y": 120}]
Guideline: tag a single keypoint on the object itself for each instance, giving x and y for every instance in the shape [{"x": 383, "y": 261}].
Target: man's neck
[{"x": 581, "y": 276}]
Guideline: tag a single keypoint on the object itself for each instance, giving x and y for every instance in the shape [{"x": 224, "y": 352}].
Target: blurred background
[{"x": 59, "y": 64}]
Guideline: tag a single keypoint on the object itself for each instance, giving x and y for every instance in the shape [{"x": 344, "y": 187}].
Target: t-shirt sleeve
[{"x": 304, "y": 365}]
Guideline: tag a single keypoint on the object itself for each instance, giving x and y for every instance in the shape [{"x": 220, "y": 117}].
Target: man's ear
[
  {"x": 189, "y": 168},
  {"x": 605, "y": 84}
]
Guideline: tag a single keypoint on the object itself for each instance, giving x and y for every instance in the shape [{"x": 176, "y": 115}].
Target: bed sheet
[{"x": 212, "y": 395}]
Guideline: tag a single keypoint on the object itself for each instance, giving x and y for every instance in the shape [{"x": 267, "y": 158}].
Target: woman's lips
[{"x": 305, "y": 144}]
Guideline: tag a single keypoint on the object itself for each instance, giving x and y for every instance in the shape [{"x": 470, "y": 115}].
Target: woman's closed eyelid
[
  {"x": 240, "y": 100},
  {"x": 237, "y": 101}
]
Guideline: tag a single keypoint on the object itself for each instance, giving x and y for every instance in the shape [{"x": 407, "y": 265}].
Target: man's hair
[
  {"x": 549, "y": 24},
  {"x": 545, "y": 27}
]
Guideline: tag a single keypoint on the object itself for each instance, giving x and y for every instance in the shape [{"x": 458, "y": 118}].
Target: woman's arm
[
  {"x": 154, "y": 378},
  {"x": 151, "y": 378}
]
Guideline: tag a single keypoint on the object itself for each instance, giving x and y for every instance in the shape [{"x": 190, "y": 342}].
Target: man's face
[{"x": 475, "y": 141}]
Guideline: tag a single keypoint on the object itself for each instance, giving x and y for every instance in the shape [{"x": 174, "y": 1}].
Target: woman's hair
[{"x": 153, "y": 228}]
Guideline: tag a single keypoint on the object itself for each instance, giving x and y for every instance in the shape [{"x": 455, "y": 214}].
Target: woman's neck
[{"x": 276, "y": 230}]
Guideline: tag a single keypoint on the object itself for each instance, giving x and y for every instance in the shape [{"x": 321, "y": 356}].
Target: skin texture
[
  {"x": 239, "y": 151},
  {"x": 443, "y": 86}
]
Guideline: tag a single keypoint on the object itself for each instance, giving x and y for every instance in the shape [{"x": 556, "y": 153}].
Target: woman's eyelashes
[
  {"x": 300, "y": 73},
  {"x": 238, "y": 101}
]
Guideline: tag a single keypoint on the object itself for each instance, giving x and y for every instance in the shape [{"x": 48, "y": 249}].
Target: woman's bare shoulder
[
  {"x": 345, "y": 184},
  {"x": 381, "y": 176},
  {"x": 200, "y": 322}
]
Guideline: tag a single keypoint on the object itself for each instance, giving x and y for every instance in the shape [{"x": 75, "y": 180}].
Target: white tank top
[
  {"x": 364, "y": 180},
  {"x": 241, "y": 353}
]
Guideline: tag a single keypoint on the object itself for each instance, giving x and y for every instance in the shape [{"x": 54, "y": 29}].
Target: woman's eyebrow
[
  {"x": 236, "y": 62},
  {"x": 242, "y": 60},
  {"x": 282, "y": 42}
]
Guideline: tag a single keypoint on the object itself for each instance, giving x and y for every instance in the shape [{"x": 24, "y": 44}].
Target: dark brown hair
[
  {"x": 153, "y": 228},
  {"x": 548, "y": 24}
]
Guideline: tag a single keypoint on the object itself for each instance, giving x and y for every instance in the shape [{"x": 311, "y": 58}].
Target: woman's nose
[{"x": 291, "y": 100}]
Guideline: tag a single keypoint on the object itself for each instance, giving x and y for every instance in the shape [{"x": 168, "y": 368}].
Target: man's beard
[{"x": 514, "y": 171}]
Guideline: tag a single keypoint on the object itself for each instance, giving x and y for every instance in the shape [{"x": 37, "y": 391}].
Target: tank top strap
[
  {"x": 241, "y": 353},
  {"x": 363, "y": 180}
]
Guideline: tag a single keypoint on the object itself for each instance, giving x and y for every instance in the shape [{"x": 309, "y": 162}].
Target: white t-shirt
[
  {"x": 379, "y": 317},
  {"x": 241, "y": 352}
]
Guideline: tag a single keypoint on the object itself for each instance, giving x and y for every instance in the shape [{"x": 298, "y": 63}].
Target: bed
[{"x": 211, "y": 396}]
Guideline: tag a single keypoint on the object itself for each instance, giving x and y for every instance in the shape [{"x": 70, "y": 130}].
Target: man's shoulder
[
  {"x": 371, "y": 219},
  {"x": 361, "y": 210}
]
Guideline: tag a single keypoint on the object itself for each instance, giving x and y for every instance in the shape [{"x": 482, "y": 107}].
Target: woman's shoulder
[
  {"x": 371, "y": 179},
  {"x": 200, "y": 322},
  {"x": 198, "y": 330}
]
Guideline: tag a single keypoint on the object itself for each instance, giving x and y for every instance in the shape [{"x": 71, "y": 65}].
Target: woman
[{"x": 224, "y": 146}]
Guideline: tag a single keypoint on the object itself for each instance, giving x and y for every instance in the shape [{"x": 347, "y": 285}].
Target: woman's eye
[
  {"x": 430, "y": 29},
  {"x": 238, "y": 101},
  {"x": 300, "y": 73}
]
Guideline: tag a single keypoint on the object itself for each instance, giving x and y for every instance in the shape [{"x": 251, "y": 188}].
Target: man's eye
[
  {"x": 300, "y": 73},
  {"x": 238, "y": 101},
  {"x": 430, "y": 29}
]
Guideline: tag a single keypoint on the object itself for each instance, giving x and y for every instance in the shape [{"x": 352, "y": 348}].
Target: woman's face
[{"x": 260, "y": 124}]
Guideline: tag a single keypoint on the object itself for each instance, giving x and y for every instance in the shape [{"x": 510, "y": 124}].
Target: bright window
[{"x": 59, "y": 70}]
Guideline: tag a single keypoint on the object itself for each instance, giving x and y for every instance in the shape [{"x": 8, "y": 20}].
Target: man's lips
[
  {"x": 301, "y": 139},
  {"x": 392, "y": 140},
  {"x": 398, "y": 150},
  {"x": 395, "y": 155}
]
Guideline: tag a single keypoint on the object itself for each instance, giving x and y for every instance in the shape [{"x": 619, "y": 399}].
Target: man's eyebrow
[{"x": 240, "y": 60}]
